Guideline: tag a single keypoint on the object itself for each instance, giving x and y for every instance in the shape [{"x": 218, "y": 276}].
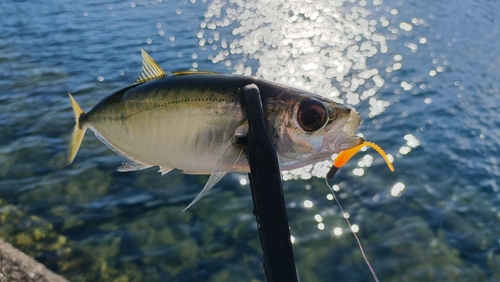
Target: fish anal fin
[
  {"x": 131, "y": 165},
  {"x": 224, "y": 165},
  {"x": 165, "y": 169},
  {"x": 150, "y": 69}
]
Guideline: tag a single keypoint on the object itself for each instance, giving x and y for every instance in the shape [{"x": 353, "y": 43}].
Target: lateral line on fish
[
  {"x": 353, "y": 233},
  {"x": 202, "y": 100}
]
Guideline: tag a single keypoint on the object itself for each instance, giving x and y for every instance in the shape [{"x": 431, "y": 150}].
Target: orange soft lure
[{"x": 346, "y": 155}]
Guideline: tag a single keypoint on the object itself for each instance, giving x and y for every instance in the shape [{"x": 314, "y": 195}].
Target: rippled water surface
[{"x": 425, "y": 76}]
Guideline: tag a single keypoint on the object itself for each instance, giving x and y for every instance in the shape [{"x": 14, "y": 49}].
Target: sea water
[{"x": 424, "y": 75}]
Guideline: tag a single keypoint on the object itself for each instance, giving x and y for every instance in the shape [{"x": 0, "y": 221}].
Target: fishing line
[
  {"x": 341, "y": 160},
  {"x": 355, "y": 236}
]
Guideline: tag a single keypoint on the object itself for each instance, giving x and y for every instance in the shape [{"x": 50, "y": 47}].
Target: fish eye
[{"x": 312, "y": 114}]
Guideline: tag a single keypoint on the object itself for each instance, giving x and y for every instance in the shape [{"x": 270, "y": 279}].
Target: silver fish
[{"x": 195, "y": 121}]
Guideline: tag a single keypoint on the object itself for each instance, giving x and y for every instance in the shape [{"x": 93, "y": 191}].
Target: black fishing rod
[{"x": 267, "y": 193}]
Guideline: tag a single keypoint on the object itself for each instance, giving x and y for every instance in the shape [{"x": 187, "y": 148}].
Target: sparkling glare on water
[
  {"x": 320, "y": 46},
  {"x": 304, "y": 40},
  {"x": 423, "y": 74}
]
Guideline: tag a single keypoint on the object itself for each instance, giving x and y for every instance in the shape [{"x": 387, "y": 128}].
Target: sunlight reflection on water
[
  {"x": 423, "y": 75},
  {"x": 323, "y": 47},
  {"x": 317, "y": 45}
]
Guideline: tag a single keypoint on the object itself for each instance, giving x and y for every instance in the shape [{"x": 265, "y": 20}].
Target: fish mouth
[
  {"x": 352, "y": 122},
  {"x": 345, "y": 138}
]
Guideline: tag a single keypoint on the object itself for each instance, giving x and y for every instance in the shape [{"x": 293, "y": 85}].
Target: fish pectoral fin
[
  {"x": 131, "y": 165},
  {"x": 241, "y": 133},
  {"x": 224, "y": 165},
  {"x": 165, "y": 169},
  {"x": 150, "y": 69}
]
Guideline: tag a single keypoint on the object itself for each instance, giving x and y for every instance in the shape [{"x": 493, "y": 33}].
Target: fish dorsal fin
[
  {"x": 188, "y": 72},
  {"x": 150, "y": 69}
]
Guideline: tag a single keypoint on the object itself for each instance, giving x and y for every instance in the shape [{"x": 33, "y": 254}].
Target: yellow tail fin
[{"x": 78, "y": 131}]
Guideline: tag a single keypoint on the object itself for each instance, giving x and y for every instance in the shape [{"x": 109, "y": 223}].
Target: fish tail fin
[{"x": 78, "y": 131}]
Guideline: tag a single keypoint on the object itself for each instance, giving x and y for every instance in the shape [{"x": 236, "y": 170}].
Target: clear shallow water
[{"x": 424, "y": 76}]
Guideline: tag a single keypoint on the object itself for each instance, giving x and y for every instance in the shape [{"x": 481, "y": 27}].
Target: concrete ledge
[{"x": 17, "y": 266}]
